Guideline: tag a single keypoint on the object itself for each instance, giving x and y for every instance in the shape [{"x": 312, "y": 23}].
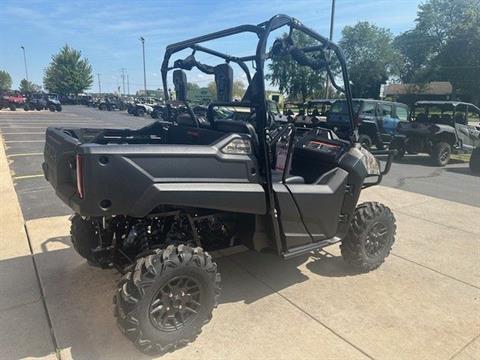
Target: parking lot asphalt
[
  {"x": 422, "y": 303},
  {"x": 24, "y": 133}
]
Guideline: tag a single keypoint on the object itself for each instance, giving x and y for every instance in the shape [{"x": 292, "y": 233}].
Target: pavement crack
[
  {"x": 42, "y": 295},
  {"x": 402, "y": 181},
  {"x": 436, "y": 271},
  {"x": 434, "y": 222},
  {"x": 464, "y": 347}
]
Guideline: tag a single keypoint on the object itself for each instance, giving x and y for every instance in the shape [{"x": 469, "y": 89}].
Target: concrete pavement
[{"x": 423, "y": 303}]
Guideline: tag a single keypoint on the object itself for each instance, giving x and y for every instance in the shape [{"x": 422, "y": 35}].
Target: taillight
[{"x": 80, "y": 185}]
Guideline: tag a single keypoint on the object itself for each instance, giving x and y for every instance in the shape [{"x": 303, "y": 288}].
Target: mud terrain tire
[
  {"x": 441, "y": 153},
  {"x": 149, "y": 298},
  {"x": 370, "y": 236},
  {"x": 475, "y": 161}
]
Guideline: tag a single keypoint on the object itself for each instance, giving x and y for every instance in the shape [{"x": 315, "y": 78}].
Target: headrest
[
  {"x": 180, "y": 83},
  {"x": 231, "y": 126},
  {"x": 224, "y": 82},
  {"x": 252, "y": 90}
]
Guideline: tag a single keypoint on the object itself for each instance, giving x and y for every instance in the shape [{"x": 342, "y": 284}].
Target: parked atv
[
  {"x": 111, "y": 104},
  {"x": 41, "y": 101},
  {"x": 145, "y": 107},
  {"x": 313, "y": 112},
  {"x": 442, "y": 128},
  {"x": 152, "y": 202},
  {"x": 12, "y": 101}
]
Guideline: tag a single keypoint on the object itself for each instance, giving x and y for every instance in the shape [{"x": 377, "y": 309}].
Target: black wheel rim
[
  {"x": 444, "y": 155},
  {"x": 376, "y": 239},
  {"x": 176, "y": 304},
  {"x": 365, "y": 143}
]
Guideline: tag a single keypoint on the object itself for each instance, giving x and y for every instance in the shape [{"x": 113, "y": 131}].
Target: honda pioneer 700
[
  {"x": 150, "y": 202},
  {"x": 442, "y": 128}
]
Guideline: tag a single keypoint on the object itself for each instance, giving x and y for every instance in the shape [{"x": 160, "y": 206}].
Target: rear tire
[
  {"x": 475, "y": 161},
  {"x": 441, "y": 153},
  {"x": 84, "y": 239},
  {"x": 370, "y": 236},
  {"x": 140, "y": 112},
  {"x": 365, "y": 141},
  {"x": 399, "y": 154},
  {"x": 12, "y": 107},
  {"x": 163, "y": 302}
]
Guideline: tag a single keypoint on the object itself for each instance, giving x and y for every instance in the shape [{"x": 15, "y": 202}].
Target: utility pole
[
  {"x": 128, "y": 85},
  {"x": 25, "y": 62},
  {"x": 123, "y": 79},
  {"x": 332, "y": 19},
  {"x": 99, "y": 85},
  {"x": 144, "y": 73}
]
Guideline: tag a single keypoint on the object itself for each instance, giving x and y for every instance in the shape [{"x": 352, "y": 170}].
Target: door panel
[
  {"x": 319, "y": 204},
  {"x": 291, "y": 222}
]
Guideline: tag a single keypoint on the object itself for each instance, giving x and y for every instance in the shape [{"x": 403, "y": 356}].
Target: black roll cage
[{"x": 259, "y": 100}]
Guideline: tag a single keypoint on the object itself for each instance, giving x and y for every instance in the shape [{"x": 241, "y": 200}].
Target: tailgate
[{"x": 59, "y": 165}]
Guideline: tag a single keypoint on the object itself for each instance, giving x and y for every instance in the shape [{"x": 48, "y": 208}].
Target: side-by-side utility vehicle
[
  {"x": 152, "y": 202},
  {"x": 443, "y": 128}
]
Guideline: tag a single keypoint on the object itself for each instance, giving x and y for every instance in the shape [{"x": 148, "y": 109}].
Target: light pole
[
  {"x": 332, "y": 19},
  {"x": 25, "y": 62},
  {"x": 123, "y": 79},
  {"x": 99, "y": 85},
  {"x": 144, "y": 73},
  {"x": 128, "y": 85}
]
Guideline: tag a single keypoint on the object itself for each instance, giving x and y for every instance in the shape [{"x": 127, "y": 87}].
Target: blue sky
[{"x": 107, "y": 31}]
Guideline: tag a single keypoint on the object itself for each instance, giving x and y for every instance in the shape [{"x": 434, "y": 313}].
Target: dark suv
[{"x": 378, "y": 120}]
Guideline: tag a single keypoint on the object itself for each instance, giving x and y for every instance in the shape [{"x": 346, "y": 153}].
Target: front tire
[
  {"x": 441, "y": 153},
  {"x": 475, "y": 161},
  {"x": 163, "y": 302},
  {"x": 370, "y": 236},
  {"x": 51, "y": 108},
  {"x": 13, "y": 107}
]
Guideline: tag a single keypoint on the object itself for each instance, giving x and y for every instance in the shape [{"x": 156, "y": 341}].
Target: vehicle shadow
[
  {"x": 79, "y": 297},
  {"x": 463, "y": 171},
  {"x": 423, "y": 160}
]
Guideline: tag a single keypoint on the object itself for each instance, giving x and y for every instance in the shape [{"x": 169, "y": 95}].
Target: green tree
[
  {"x": 27, "y": 87},
  {"x": 238, "y": 89},
  {"x": 444, "y": 46},
  {"x": 212, "y": 89},
  {"x": 371, "y": 57},
  {"x": 68, "y": 73},
  {"x": 5, "y": 80},
  {"x": 297, "y": 81}
]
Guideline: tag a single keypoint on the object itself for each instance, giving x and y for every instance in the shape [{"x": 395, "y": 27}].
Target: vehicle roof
[
  {"x": 439, "y": 102},
  {"x": 321, "y": 101},
  {"x": 375, "y": 100}
]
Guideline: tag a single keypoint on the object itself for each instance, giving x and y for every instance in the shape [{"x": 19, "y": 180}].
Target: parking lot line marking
[
  {"x": 26, "y": 177},
  {"x": 23, "y": 141},
  {"x": 25, "y": 133},
  {"x": 26, "y": 154}
]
